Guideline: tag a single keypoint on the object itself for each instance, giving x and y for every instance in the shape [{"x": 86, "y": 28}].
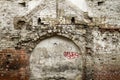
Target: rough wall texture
[
  {"x": 106, "y": 54},
  {"x": 99, "y": 45},
  {"x": 108, "y": 11}
]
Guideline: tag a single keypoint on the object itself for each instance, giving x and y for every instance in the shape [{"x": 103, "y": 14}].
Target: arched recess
[{"x": 49, "y": 60}]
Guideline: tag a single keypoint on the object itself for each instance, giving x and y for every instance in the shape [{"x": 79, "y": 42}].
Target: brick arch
[
  {"x": 31, "y": 43},
  {"x": 70, "y": 32}
]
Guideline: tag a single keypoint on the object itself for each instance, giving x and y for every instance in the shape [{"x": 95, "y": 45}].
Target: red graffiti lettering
[{"x": 71, "y": 55}]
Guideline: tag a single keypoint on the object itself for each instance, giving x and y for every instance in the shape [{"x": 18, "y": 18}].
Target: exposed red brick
[
  {"x": 108, "y": 72},
  {"x": 14, "y": 65}
]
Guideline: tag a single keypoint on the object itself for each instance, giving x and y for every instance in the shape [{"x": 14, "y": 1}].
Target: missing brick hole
[
  {"x": 23, "y": 4},
  {"x": 8, "y": 55},
  {"x": 20, "y": 24},
  {"x": 113, "y": 58},
  {"x": 39, "y": 20},
  {"x": 7, "y": 62},
  {"x": 100, "y": 3},
  {"x": 73, "y": 20}
]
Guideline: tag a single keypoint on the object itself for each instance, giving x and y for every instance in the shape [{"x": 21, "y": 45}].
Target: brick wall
[{"x": 14, "y": 65}]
